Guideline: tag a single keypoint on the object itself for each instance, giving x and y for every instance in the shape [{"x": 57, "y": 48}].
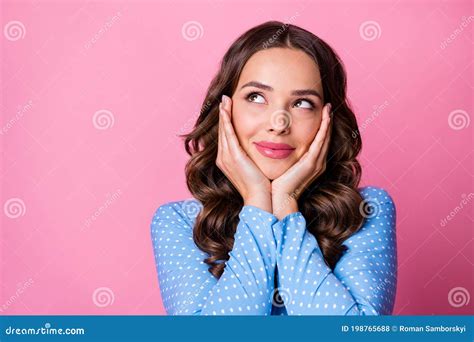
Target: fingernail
[
  {"x": 225, "y": 99},
  {"x": 329, "y": 107}
]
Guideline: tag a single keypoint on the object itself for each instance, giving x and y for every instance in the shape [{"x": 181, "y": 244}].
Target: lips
[{"x": 274, "y": 150}]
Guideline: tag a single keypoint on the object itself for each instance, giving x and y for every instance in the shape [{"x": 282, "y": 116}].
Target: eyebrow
[{"x": 299, "y": 92}]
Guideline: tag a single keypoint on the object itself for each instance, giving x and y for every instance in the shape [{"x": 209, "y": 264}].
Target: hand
[
  {"x": 287, "y": 188},
  {"x": 232, "y": 160}
]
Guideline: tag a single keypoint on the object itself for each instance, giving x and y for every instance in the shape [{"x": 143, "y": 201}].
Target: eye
[
  {"x": 303, "y": 103},
  {"x": 252, "y": 97}
]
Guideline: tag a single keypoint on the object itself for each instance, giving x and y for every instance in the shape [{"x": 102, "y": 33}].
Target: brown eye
[
  {"x": 254, "y": 96},
  {"x": 304, "y": 104}
]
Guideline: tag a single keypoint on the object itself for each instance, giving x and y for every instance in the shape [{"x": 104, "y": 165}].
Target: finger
[
  {"x": 327, "y": 140},
  {"x": 315, "y": 147},
  {"x": 230, "y": 135},
  {"x": 311, "y": 156},
  {"x": 219, "y": 129},
  {"x": 222, "y": 137},
  {"x": 322, "y": 156},
  {"x": 227, "y": 105}
]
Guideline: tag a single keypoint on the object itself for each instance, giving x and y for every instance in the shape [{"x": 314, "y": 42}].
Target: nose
[{"x": 280, "y": 122}]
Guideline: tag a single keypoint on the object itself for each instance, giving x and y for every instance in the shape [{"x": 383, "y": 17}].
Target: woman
[{"x": 277, "y": 224}]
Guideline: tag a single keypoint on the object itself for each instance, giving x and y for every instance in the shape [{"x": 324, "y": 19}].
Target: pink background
[{"x": 78, "y": 192}]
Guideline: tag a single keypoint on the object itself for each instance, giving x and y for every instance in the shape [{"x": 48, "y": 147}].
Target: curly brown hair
[{"x": 330, "y": 204}]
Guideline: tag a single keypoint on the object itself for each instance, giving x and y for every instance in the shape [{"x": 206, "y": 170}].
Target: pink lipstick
[{"x": 274, "y": 150}]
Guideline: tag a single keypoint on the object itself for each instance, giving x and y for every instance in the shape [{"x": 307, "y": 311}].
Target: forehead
[{"x": 283, "y": 69}]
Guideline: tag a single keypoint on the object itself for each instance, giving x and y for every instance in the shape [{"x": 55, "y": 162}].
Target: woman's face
[{"x": 278, "y": 100}]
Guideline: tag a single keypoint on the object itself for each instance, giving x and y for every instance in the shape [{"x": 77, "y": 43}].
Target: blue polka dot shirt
[{"x": 276, "y": 267}]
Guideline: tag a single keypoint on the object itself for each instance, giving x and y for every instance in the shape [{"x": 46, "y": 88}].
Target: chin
[{"x": 272, "y": 173}]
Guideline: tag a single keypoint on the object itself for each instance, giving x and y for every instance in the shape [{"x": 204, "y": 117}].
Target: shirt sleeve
[
  {"x": 364, "y": 279},
  {"x": 187, "y": 287}
]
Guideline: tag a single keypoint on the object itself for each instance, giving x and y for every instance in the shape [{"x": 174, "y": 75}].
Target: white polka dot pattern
[{"x": 266, "y": 251}]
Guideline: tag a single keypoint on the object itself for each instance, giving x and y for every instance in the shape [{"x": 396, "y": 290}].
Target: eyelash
[{"x": 298, "y": 100}]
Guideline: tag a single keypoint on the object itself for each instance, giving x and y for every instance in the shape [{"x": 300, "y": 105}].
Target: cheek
[
  {"x": 306, "y": 132},
  {"x": 244, "y": 120}
]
